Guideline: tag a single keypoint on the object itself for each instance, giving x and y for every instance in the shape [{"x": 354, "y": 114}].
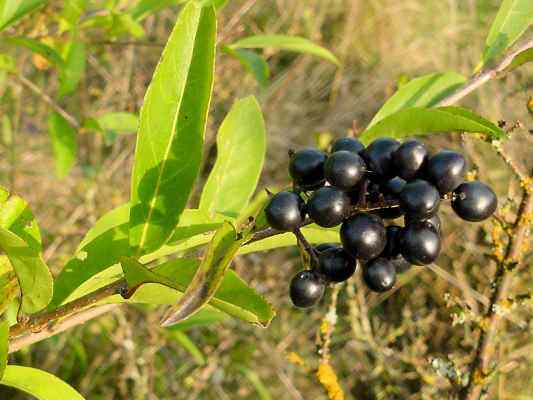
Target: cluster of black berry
[{"x": 359, "y": 187}]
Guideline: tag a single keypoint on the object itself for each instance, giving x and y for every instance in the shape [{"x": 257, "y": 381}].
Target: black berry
[
  {"x": 306, "y": 167},
  {"x": 349, "y": 144},
  {"x": 325, "y": 246},
  {"x": 328, "y": 206},
  {"x": 379, "y": 275},
  {"x": 419, "y": 199},
  {"x": 344, "y": 169},
  {"x": 336, "y": 264},
  {"x": 420, "y": 243},
  {"x": 363, "y": 236},
  {"x": 378, "y": 156},
  {"x": 306, "y": 289},
  {"x": 434, "y": 221},
  {"x": 395, "y": 185},
  {"x": 446, "y": 170},
  {"x": 409, "y": 158},
  {"x": 285, "y": 211},
  {"x": 400, "y": 264},
  {"x": 474, "y": 201},
  {"x": 392, "y": 248}
]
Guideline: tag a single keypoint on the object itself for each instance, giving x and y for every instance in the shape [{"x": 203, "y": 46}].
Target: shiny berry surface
[
  {"x": 285, "y": 211},
  {"x": 349, "y": 144},
  {"x": 363, "y": 236},
  {"x": 420, "y": 243},
  {"x": 378, "y": 156},
  {"x": 336, "y": 264},
  {"x": 306, "y": 168},
  {"x": 306, "y": 289},
  {"x": 409, "y": 159},
  {"x": 474, "y": 201},
  {"x": 446, "y": 170},
  {"x": 328, "y": 206},
  {"x": 379, "y": 275},
  {"x": 434, "y": 221},
  {"x": 344, "y": 169},
  {"x": 419, "y": 199}
]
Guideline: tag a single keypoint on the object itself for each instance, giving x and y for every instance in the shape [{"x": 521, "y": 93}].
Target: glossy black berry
[
  {"x": 348, "y": 144},
  {"x": 392, "y": 248},
  {"x": 325, "y": 246},
  {"x": 328, "y": 206},
  {"x": 378, "y": 156},
  {"x": 379, "y": 275},
  {"x": 474, "y": 201},
  {"x": 306, "y": 168},
  {"x": 344, "y": 169},
  {"x": 336, "y": 264},
  {"x": 446, "y": 170},
  {"x": 409, "y": 158},
  {"x": 306, "y": 289},
  {"x": 363, "y": 236},
  {"x": 434, "y": 221},
  {"x": 285, "y": 211},
  {"x": 420, "y": 243},
  {"x": 419, "y": 199},
  {"x": 394, "y": 185}
]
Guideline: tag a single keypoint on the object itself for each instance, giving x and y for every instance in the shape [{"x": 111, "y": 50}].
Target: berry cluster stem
[{"x": 500, "y": 285}]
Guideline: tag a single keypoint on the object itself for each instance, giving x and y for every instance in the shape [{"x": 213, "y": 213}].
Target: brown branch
[
  {"x": 48, "y": 100},
  {"x": 486, "y": 75},
  {"x": 500, "y": 286}
]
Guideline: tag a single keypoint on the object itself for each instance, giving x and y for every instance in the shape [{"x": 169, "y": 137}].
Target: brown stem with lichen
[{"x": 500, "y": 286}]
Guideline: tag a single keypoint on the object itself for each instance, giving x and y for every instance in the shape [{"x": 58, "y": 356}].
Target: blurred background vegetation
[{"x": 382, "y": 348}]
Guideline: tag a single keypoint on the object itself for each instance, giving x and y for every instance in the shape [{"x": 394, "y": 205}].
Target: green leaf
[
  {"x": 107, "y": 241},
  {"x": 4, "y": 345},
  {"x": 205, "y": 317},
  {"x": 233, "y": 296},
  {"x": 423, "y": 121},
  {"x": 9, "y": 288},
  {"x": 70, "y": 16},
  {"x": 63, "y": 138},
  {"x": 119, "y": 122},
  {"x": 38, "y": 383},
  {"x": 284, "y": 42},
  {"x": 13, "y": 10},
  {"x": 37, "y": 47},
  {"x": 172, "y": 124},
  {"x": 74, "y": 69},
  {"x": 234, "y": 177},
  {"x": 8, "y": 63},
  {"x": 146, "y": 7},
  {"x": 252, "y": 63},
  {"x": 184, "y": 341},
  {"x": 513, "y": 18},
  {"x": 520, "y": 59},
  {"x": 424, "y": 91},
  {"x": 33, "y": 275}
]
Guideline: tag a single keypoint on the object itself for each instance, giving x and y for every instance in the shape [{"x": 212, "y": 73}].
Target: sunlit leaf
[
  {"x": 520, "y": 59},
  {"x": 4, "y": 344},
  {"x": 252, "y": 62},
  {"x": 38, "y": 383},
  {"x": 74, "y": 68},
  {"x": 119, "y": 122},
  {"x": 63, "y": 137},
  {"x": 13, "y": 10},
  {"x": 72, "y": 11},
  {"x": 424, "y": 91},
  {"x": 172, "y": 123},
  {"x": 241, "y": 146},
  {"x": 284, "y": 42},
  {"x": 37, "y": 47}
]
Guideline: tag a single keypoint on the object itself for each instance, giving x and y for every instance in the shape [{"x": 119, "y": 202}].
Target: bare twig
[
  {"x": 500, "y": 285},
  {"x": 486, "y": 75},
  {"x": 48, "y": 100}
]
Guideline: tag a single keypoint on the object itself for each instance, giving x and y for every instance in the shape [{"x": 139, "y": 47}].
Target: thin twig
[
  {"x": 486, "y": 75},
  {"x": 48, "y": 100},
  {"x": 500, "y": 285}
]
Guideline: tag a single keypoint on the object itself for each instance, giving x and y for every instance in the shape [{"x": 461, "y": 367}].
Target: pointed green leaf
[
  {"x": 74, "y": 68},
  {"x": 172, "y": 124},
  {"x": 33, "y": 275},
  {"x": 241, "y": 146},
  {"x": 107, "y": 241},
  {"x": 37, "y": 47},
  {"x": 424, "y": 91},
  {"x": 513, "y": 18},
  {"x": 252, "y": 62},
  {"x": 4, "y": 345},
  {"x": 13, "y": 10},
  {"x": 119, "y": 122},
  {"x": 423, "y": 121},
  {"x": 38, "y": 383},
  {"x": 63, "y": 138},
  {"x": 520, "y": 59},
  {"x": 284, "y": 42}
]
